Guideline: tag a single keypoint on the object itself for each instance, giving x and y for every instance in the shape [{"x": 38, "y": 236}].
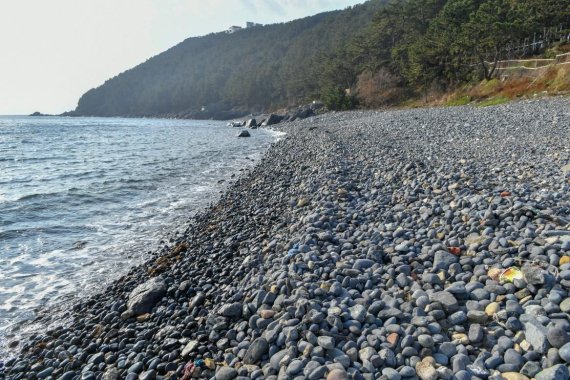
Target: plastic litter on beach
[
  {"x": 191, "y": 366},
  {"x": 210, "y": 363},
  {"x": 510, "y": 274},
  {"x": 455, "y": 250},
  {"x": 189, "y": 370}
]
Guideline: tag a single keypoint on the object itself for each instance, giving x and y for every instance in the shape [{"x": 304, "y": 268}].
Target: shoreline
[
  {"x": 325, "y": 241},
  {"x": 171, "y": 199}
]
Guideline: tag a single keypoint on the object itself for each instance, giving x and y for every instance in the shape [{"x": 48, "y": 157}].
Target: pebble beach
[{"x": 409, "y": 244}]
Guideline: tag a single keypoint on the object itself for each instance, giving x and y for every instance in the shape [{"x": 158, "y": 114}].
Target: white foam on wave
[
  {"x": 118, "y": 215},
  {"x": 277, "y": 134}
]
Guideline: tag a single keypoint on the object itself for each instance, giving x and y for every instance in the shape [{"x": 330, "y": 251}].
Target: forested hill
[
  {"x": 254, "y": 69},
  {"x": 384, "y": 51}
]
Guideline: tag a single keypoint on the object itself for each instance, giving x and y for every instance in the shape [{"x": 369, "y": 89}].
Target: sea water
[{"x": 84, "y": 199}]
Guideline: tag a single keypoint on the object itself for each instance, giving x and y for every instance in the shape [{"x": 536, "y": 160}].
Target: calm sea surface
[{"x": 83, "y": 199}]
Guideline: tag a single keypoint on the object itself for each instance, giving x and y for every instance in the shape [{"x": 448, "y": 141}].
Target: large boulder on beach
[
  {"x": 536, "y": 334},
  {"x": 302, "y": 113},
  {"x": 273, "y": 119},
  {"x": 559, "y": 371},
  {"x": 251, "y": 123},
  {"x": 244, "y": 133},
  {"x": 143, "y": 298},
  {"x": 446, "y": 300},
  {"x": 226, "y": 373},
  {"x": 258, "y": 348},
  {"x": 231, "y": 310},
  {"x": 443, "y": 259}
]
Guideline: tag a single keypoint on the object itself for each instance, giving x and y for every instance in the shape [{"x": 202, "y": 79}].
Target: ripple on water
[{"x": 83, "y": 199}]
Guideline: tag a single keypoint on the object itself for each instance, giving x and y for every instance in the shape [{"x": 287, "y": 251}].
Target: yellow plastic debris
[{"x": 511, "y": 274}]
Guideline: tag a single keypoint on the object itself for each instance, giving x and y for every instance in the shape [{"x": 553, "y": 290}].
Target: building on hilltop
[
  {"x": 233, "y": 29},
  {"x": 248, "y": 25}
]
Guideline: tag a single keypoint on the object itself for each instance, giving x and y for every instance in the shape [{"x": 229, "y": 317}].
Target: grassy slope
[{"x": 554, "y": 81}]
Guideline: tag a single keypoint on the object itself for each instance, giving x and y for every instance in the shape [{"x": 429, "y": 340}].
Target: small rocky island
[{"x": 37, "y": 113}]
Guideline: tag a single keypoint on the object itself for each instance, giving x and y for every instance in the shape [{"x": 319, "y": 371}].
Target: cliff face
[{"x": 223, "y": 74}]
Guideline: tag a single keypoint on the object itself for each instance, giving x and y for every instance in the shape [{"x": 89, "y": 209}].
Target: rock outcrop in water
[
  {"x": 430, "y": 244},
  {"x": 37, "y": 113}
]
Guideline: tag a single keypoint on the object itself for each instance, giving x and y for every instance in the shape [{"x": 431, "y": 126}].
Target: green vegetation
[
  {"x": 437, "y": 45},
  {"x": 256, "y": 69},
  {"x": 493, "y": 101},
  {"x": 459, "y": 101},
  {"x": 337, "y": 99},
  {"x": 552, "y": 80},
  {"x": 384, "y": 51}
]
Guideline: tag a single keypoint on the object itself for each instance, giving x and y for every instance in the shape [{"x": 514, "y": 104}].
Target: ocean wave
[
  {"x": 34, "y": 196},
  {"x": 87, "y": 217},
  {"x": 33, "y": 232}
]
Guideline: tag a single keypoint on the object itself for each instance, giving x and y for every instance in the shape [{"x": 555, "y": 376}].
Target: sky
[{"x": 53, "y": 51}]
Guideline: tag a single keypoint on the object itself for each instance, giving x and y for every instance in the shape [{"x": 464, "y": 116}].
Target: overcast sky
[{"x": 52, "y": 51}]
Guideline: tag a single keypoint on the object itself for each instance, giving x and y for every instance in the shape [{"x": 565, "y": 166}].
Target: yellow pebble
[
  {"x": 514, "y": 376},
  {"x": 266, "y": 314},
  {"x": 564, "y": 260},
  {"x": 143, "y": 318},
  {"x": 525, "y": 345},
  {"x": 519, "y": 337},
  {"x": 460, "y": 338},
  {"x": 494, "y": 273},
  {"x": 492, "y": 309}
]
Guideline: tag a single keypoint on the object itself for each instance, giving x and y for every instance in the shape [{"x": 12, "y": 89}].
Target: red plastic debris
[
  {"x": 189, "y": 369},
  {"x": 455, "y": 250}
]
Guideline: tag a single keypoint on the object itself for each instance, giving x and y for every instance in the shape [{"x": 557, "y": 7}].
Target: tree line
[
  {"x": 252, "y": 70},
  {"x": 414, "y": 45},
  {"x": 381, "y": 52}
]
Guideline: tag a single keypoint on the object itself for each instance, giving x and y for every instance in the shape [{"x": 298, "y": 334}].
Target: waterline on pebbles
[{"x": 364, "y": 245}]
